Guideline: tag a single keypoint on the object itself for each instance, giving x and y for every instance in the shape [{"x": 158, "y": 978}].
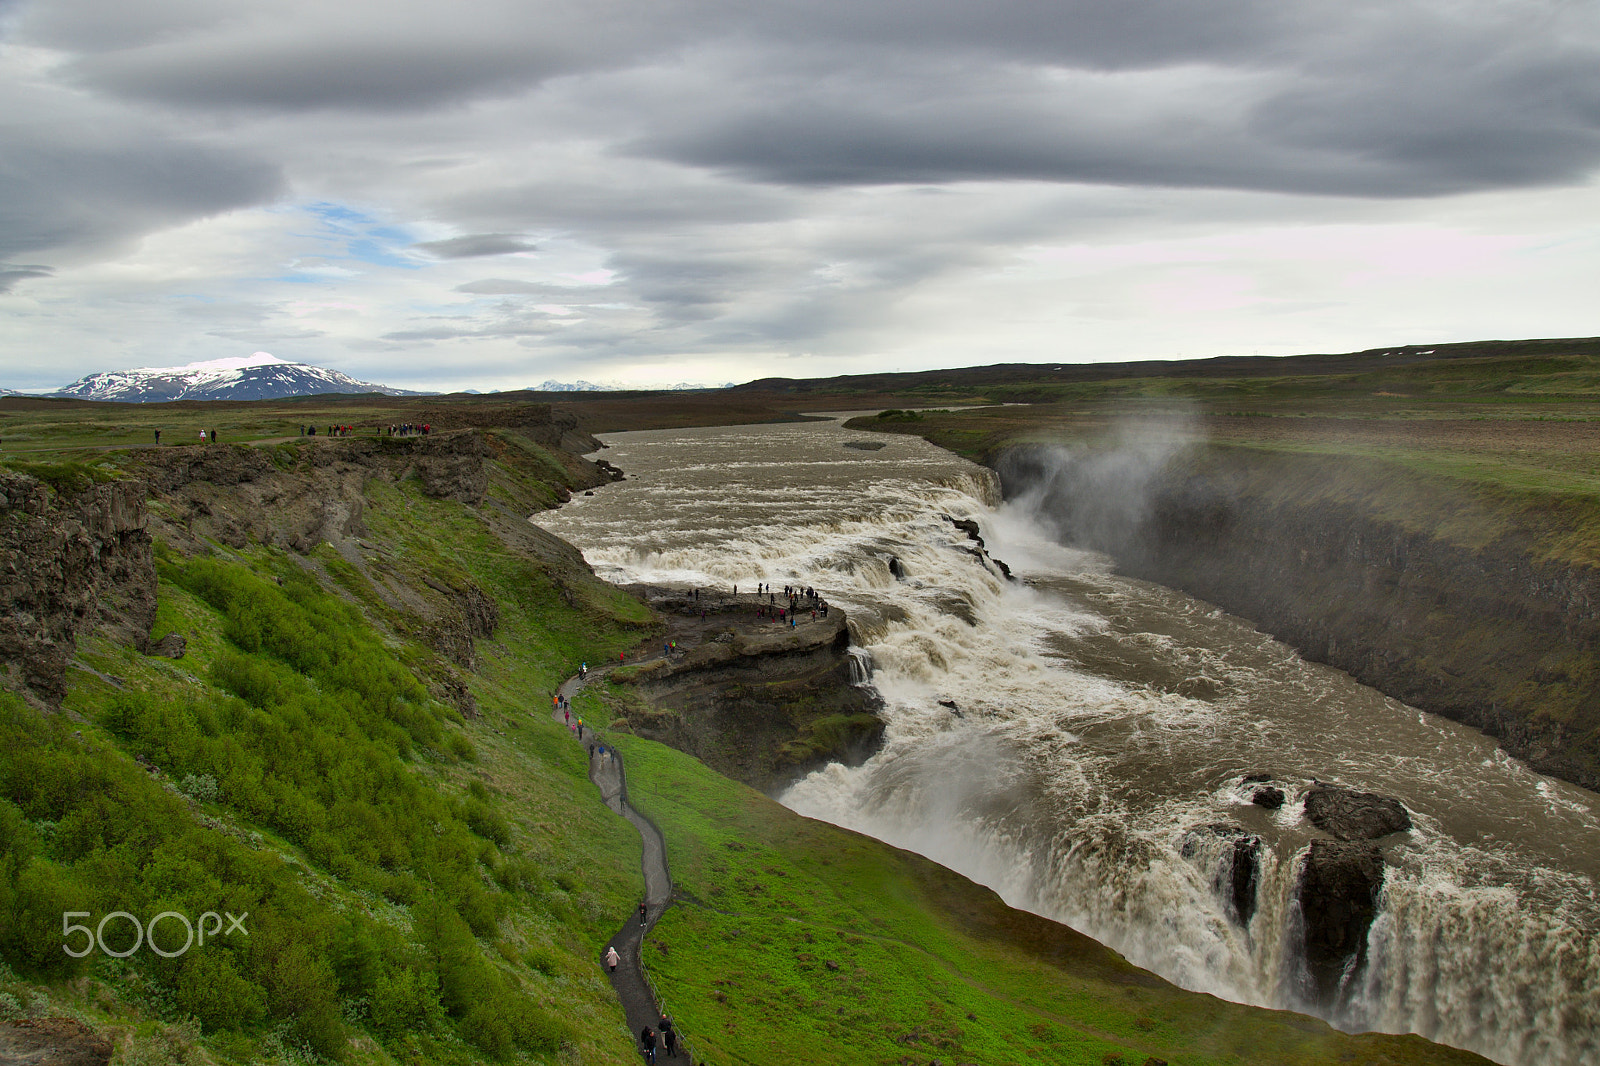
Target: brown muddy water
[{"x": 1058, "y": 738}]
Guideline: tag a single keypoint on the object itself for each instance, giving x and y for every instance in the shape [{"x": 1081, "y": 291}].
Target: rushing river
[{"x": 1057, "y": 738}]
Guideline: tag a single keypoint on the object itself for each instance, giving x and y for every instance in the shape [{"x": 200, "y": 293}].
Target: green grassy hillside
[{"x": 421, "y": 887}]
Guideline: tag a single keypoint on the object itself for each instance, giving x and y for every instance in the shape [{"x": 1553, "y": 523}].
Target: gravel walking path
[{"x": 638, "y": 1001}]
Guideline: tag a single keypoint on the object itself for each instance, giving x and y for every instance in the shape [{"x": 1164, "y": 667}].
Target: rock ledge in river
[{"x": 1350, "y": 815}]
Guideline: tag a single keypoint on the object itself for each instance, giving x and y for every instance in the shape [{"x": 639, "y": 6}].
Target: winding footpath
[{"x": 633, "y": 990}]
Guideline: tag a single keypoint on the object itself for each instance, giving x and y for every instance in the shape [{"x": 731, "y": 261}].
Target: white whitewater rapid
[{"x": 1060, "y": 739}]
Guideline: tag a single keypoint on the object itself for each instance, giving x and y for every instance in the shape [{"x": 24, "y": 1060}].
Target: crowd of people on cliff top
[
  {"x": 796, "y": 598},
  {"x": 397, "y": 429}
]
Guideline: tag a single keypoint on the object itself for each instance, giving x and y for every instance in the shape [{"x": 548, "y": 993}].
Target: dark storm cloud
[
  {"x": 72, "y": 178},
  {"x": 303, "y": 55},
  {"x": 475, "y": 245},
  {"x": 295, "y": 75},
  {"x": 1090, "y": 34},
  {"x": 1474, "y": 116},
  {"x": 12, "y": 274},
  {"x": 1408, "y": 123}
]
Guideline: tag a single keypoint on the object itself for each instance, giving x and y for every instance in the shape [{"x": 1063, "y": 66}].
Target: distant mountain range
[
  {"x": 265, "y": 377},
  {"x": 253, "y": 377},
  {"x": 589, "y": 386},
  {"x": 573, "y": 386}
]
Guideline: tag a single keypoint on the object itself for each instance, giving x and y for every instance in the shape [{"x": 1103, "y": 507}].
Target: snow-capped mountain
[
  {"x": 253, "y": 377},
  {"x": 573, "y": 386}
]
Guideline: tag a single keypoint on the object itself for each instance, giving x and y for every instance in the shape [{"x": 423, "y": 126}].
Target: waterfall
[{"x": 1079, "y": 742}]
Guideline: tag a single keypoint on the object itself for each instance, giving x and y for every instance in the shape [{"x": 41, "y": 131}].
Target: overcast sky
[{"x": 494, "y": 193}]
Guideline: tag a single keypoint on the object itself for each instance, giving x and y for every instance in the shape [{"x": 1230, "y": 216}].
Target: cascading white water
[{"x": 1067, "y": 739}]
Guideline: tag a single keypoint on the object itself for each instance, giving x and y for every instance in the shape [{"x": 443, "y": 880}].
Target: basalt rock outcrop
[
  {"x": 1269, "y": 797},
  {"x": 757, "y": 701},
  {"x": 980, "y": 551},
  {"x": 1338, "y": 894},
  {"x": 76, "y": 542},
  {"x": 1475, "y": 621},
  {"x": 236, "y": 494},
  {"x": 1346, "y": 814},
  {"x": 1340, "y": 879},
  {"x": 74, "y": 554}
]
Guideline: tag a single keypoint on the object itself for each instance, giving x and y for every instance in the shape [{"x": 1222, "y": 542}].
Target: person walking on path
[
  {"x": 612, "y": 958},
  {"x": 647, "y": 1041},
  {"x": 669, "y": 1036},
  {"x": 644, "y": 913}
]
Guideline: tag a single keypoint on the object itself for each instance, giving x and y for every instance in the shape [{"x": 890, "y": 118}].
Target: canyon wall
[{"x": 1413, "y": 589}]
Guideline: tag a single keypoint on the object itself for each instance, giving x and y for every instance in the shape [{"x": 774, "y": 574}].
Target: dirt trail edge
[{"x": 633, "y": 990}]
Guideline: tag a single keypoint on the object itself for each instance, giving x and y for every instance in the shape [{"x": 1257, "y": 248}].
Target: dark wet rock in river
[
  {"x": 1350, "y": 815},
  {"x": 1256, "y": 779},
  {"x": 969, "y": 527},
  {"x": 1338, "y": 896},
  {"x": 865, "y": 445},
  {"x": 897, "y": 568},
  {"x": 1269, "y": 797},
  {"x": 1233, "y": 858},
  {"x": 981, "y": 552}
]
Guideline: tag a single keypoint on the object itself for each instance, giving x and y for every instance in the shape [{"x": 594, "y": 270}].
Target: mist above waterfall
[{"x": 1100, "y": 491}]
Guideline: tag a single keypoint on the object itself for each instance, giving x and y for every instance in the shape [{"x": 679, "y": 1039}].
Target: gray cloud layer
[{"x": 774, "y": 176}]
